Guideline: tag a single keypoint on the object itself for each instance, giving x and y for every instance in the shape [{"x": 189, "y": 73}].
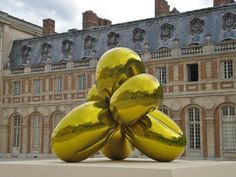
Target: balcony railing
[
  {"x": 163, "y": 53},
  {"x": 225, "y": 46},
  {"x": 175, "y": 53},
  {"x": 192, "y": 50},
  {"x": 81, "y": 63},
  {"x": 38, "y": 68},
  {"x": 17, "y": 71},
  {"x": 59, "y": 66}
]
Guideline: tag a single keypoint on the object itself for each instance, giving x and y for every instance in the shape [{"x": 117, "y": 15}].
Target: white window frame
[
  {"x": 16, "y": 130},
  {"x": 36, "y": 86},
  {"x": 228, "y": 121},
  {"x": 161, "y": 74},
  {"x": 81, "y": 82},
  {"x": 17, "y": 88},
  {"x": 227, "y": 69},
  {"x": 36, "y": 132},
  {"x": 58, "y": 84},
  {"x": 194, "y": 128}
]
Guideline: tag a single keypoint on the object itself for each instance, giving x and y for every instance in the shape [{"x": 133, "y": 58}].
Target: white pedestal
[{"x": 102, "y": 167}]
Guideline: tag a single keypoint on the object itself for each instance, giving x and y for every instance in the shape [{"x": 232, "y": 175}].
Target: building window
[
  {"x": 56, "y": 119},
  {"x": 229, "y": 128},
  {"x": 36, "y": 86},
  {"x": 192, "y": 72},
  {"x": 161, "y": 74},
  {"x": 81, "y": 82},
  {"x": 227, "y": 69},
  {"x": 194, "y": 128},
  {"x": 36, "y": 132},
  {"x": 58, "y": 85},
  {"x": 16, "y": 88},
  {"x": 16, "y": 130}
]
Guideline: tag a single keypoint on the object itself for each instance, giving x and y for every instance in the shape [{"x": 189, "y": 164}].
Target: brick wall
[
  {"x": 161, "y": 8},
  {"x": 221, "y": 2},
  {"x": 48, "y": 27},
  {"x": 91, "y": 20}
]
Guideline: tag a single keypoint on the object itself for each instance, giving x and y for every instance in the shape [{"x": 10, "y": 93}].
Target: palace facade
[{"x": 193, "y": 55}]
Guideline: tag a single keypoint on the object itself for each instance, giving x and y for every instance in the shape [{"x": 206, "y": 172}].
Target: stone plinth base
[{"x": 128, "y": 168}]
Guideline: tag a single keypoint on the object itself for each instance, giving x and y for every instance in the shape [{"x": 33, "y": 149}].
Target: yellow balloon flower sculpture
[{"x": 121, "y": 113}]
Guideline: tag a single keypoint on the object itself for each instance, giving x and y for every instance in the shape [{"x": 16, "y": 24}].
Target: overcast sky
[{"x": 68, "y": 13}]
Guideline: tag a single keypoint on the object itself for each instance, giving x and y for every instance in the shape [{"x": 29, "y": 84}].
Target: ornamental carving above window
[
  {"x": 89, "y": 45},
  {"x": 25, "y": 52},
  {"x": 138, "y": 35},
  {"x": 229, "y": 22},
  {"x": 112, "y": 39},
  {"x": 166, "y": 31},
  {"x": 196, "y": 26},
  {"x": 46, "y": 51},
  {"x": 67, "y": 48},
  {"x": 89, "y": 42}
]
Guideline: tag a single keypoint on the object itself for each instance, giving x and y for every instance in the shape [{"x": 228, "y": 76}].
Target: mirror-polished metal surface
[
  {"x": 136, "y": 97},
  {"x": 121, "y": 113},
  {"x": 83, "y": 132},
  {"x": 93, "y": 94},
  {"x": 166, "y": 120},
  {"x": 118, "y": 147},
  {"x": 156, "y": 139},
  {"x": 114, "y": 68}
]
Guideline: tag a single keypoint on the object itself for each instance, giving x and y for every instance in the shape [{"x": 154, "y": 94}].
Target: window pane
[
  {"x": 58, "y": 84},
  {"x": 229, "y": 128},
  {"x": 191, "y": 136},
  {"x": 36, "y": 131},
  {"x": 81, "y": 82},
  {"x": 197, "y": 136},
  {"x": 16, "y": 127},
  {"x": 36, "y": 86},
  {"x": 16, "y": 88},
  {"x": 227, "y": 69},
  {"x": 190, "y": 114},
  {"x": 197, "y": 116},
  {"x": 161, "y": 74},
  {"x": 194, "y": 128},
  {"x": 231, "y": 111},
  {"x": 225, "y": 111}
]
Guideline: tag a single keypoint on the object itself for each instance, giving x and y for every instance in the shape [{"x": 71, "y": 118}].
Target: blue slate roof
[{"x": 179, "y": 30}]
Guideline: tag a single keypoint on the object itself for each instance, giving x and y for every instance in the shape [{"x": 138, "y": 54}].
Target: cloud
[
  {"x": 63, "y": 11},
  {"x": 68, "y": 13},
  {"x": 187, "y": 5}
]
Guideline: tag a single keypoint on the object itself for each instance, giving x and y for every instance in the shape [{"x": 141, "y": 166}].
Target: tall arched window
[
  {"x": 194, "y": 128},
  {"x": 36, "y": 132},
  {"x": 56, "y": 119},
  {"x": 228, "y": 128},
  {"x": 16, "y": 130}
]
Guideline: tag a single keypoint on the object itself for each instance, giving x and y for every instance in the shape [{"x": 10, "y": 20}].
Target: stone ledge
[{"x": 101, "y": 167}]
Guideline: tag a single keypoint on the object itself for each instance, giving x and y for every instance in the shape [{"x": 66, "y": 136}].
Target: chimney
[
  {"x": 48, "y": 27},
  {"x": 222, "y": 2},
  {"x": 161, "y": 8},
  {"x": 174, "y": 11},
  {"x": 91, "y": 20},
  {"x": 104, "y": 22}
]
